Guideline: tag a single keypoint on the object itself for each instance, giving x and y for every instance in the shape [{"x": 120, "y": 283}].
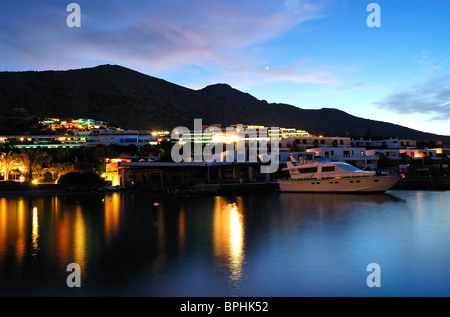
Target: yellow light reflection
[
  {"x": 13, "y": 229},
  {"x": 112, "y": 213},
  {"x": 79, "y": 244},
  {"x": 63, "y": 235},
  {"x": 35, "y": 234},
  {"x": 228, "y": 236},
  {"x": 3, "y": 228},
  {"x": 236, "y": 243},
  {"x": 21, "y": 232}
]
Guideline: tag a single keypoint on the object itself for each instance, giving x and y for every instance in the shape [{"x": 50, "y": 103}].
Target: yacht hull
[{"x": 376, "y": 184}]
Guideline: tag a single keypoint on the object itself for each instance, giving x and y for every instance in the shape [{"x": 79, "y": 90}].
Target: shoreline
[
  {"x": 201, "y": 190},
  {"x": 432, "y": 184},
  {"x": 21, "y": 190}
]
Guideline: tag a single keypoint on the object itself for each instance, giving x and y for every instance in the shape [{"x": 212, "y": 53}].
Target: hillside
[{"x": 130, "y": 99}]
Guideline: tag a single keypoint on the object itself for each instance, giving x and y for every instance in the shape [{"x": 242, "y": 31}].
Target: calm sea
[{"x": 268, "y": 244}]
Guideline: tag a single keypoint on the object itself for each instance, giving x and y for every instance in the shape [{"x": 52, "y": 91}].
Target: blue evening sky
[{"x": 308, "y": 53}]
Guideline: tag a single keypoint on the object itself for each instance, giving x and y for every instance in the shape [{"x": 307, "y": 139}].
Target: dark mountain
[{"x": 130, "y": 99}]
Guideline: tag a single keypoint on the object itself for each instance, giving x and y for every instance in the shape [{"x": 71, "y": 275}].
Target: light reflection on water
[
  {"x": 228, "y": 236},
  {"x": 276, "y": 244},
  {"x": 35, "y": 234}
]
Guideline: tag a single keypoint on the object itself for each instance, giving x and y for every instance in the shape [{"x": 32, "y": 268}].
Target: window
[
  {"x": 328, "y": 169},
  {"x": 308, "y": 170}
]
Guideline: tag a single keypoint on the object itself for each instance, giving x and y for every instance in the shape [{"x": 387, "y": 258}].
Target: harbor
[
  {"x": 223, "y": 156},
  {"x": 15, "y": 189},
  {"x": 266, "y": 244}
]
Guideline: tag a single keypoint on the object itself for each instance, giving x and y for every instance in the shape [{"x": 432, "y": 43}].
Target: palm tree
[
  {"x": 30, "y": 160},
  {"x": 8, "y": 162}
]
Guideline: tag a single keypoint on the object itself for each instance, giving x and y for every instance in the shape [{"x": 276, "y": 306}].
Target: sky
[{"x": 308, "y": 53}]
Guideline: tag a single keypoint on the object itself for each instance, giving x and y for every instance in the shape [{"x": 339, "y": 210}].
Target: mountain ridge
[{"x": 133, "y": 100}]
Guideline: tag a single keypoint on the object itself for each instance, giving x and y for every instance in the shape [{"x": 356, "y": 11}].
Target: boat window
[
  {"x": 328, "y": 169},
  {"x": 351, "y": 181},
  {"x": 358, "y": 181},
  {"x": 308, "y": 170},
  {"x": 376, "y": 180}
]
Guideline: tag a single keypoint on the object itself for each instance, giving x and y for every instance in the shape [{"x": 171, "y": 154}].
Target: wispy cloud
[
  {"x": 428, "y": 63},
  {"x": 145, "y": 33},
  {"x": 251, "y": 74},
  {"x": 428, "y": 97}
]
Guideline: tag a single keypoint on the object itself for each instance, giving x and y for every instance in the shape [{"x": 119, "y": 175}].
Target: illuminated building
[
  {"x": 118, "y": 136},
  {"x": 43, "y": 141}
]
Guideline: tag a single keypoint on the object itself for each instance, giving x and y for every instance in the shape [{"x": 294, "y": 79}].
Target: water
[{"x": 268, "y": 244}]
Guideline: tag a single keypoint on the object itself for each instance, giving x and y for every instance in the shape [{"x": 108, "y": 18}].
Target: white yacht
[{"x": 328, "y": 176}]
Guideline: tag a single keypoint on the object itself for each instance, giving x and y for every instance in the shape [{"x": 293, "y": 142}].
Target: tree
[
  {"x": 8, "y": 162},
  {"x": 30, "y": 160}
]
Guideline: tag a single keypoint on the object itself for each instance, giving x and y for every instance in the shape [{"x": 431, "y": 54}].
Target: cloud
[
  {"x": 249, "y": 74},
  {"x": 144, "y": 34},
  {"x": 428, "y": 97},
  {"x": 429, "y": 64}
]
